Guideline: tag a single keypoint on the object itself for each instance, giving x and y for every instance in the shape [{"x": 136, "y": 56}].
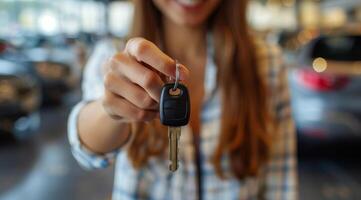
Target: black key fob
[{"x": 174, "y": 105}]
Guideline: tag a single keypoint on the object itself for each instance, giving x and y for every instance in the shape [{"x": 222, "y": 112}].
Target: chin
[
  {"x": 187, "y": 12},
  {"x": 192, "y": 22}
]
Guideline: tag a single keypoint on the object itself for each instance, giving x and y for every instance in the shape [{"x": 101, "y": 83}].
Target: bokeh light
[{"x": 319, "y": 65}]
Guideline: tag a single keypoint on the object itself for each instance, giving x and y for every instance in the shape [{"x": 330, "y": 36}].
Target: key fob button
[
  {"x": 170, "y": 114},
  {"x": 170, "y": 104},
  {"x": 176, "y": 114}
]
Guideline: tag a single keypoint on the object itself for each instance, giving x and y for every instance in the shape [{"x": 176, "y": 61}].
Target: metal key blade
[{"x": 173, "y": 135}]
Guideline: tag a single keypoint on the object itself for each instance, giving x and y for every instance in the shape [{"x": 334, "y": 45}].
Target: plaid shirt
[{"x": 278, "y": 180}]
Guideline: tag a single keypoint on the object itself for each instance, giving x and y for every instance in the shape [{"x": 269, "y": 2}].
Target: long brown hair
[{"x": 244, "y": 137}]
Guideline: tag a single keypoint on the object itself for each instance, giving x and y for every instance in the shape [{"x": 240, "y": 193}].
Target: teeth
[{"x": 189, "y": 2}]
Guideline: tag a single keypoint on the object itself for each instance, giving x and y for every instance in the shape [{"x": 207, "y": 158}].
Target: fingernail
[{"x": 183, "y": 73}]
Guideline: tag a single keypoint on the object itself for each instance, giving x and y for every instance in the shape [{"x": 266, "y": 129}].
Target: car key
[{"x": 174, "y": 113}]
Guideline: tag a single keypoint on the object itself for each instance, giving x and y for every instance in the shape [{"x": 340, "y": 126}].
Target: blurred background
[{"x": 44, "y": 46}]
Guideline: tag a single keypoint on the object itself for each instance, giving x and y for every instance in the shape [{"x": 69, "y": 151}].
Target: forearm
[{"x": 98, "y": 131}]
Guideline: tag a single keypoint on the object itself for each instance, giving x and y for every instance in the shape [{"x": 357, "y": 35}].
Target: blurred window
[
  {"x": 310, "y": 14},
  {"x": 329, "y": 14},
  {"x": 266, "y": 15},
  {"x": 70, "y": 17},
  {"x": 47, "y": 17},
  {"x": 92, "y": 17},
  {"x": 120, "y": 17},
  {"x": 28, "y": 19}
]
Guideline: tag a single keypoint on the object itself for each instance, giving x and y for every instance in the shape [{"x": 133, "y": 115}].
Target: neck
[{"x": 184, "y": 42}]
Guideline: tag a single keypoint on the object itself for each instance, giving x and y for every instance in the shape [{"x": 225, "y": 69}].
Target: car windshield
[{"x": 339, "y": 48}]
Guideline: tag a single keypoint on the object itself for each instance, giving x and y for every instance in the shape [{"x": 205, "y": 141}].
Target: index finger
[{"x": 145, "y": 51}]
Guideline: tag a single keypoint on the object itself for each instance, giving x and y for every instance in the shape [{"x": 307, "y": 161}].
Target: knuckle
[
  {"x": 115, "y": 61},
  {"x": 120, "y": 56},
  {"x": 140, "y": 97},
  {"x": 109, "y": 103},
  {"x": 130, "y": 42},
  {"x": 147, "y": 101},
  {"x": 139, "y": 46},
  {"x": 149, "y": 79},
  {"x": 168, "y": 65},
  {"x": 108, "y": 99},
  {"x": 109, "y": 79},
  {"x": 142, "y": 100}
]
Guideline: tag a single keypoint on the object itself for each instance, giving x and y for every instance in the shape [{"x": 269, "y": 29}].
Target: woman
[{"x": 240, "y": 141}]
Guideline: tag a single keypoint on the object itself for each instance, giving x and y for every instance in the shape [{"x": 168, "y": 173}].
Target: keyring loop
[{"x": 176, "y": 75}]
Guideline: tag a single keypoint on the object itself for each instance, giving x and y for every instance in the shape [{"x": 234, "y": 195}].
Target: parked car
[
  {"x": 56, "y": 69},
  {"x": 20, "y": 99},
  {"x": 326, "y": 89}
]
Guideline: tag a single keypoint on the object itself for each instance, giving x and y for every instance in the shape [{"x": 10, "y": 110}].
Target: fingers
[
  {"x": 133, "y": 81},
  {"x": 121, "y": 109},
  {"x": 145, "y": 51},
  {"x": 131, "y": 92},
  {"x": 136, "y": 73}
]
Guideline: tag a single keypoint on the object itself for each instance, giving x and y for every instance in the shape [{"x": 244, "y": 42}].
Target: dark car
[
  {"x": 326, "y": 89},
  {"x": 56, "y": 70},
  {"x": 20, "y": 98}
]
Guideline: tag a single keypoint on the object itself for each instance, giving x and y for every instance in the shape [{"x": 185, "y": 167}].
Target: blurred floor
[
  {"x": 330, "y": 179},
  {"x": 43, "y": 168}
]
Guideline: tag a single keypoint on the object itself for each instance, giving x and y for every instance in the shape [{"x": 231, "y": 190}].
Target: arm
[
  {"x": 126, "y": 89},
  {"x": 98, "y": 131},
  {"x": 88, "y": 114}
]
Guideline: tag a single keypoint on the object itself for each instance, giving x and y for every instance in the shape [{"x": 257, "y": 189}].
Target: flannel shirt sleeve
[
  {"x": 281, "y": 179},
  {"x": 92, "y": 89}
]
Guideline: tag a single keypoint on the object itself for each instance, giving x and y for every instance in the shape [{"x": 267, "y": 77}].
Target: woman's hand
[{"x": 133, "y": 81}]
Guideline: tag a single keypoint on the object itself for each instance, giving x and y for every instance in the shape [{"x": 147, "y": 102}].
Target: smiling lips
[{"x": 189, "y": 3}]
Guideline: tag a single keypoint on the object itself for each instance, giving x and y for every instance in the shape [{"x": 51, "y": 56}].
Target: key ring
[{"x": 176, "y": 75}]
